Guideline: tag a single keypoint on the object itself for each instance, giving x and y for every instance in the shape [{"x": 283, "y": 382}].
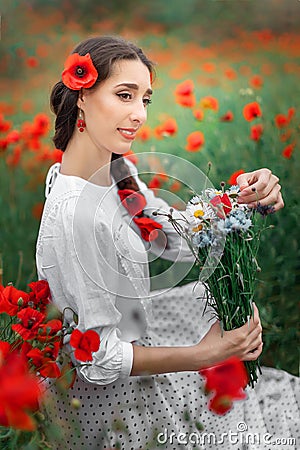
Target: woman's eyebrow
[{"x": 134, "y": 86}]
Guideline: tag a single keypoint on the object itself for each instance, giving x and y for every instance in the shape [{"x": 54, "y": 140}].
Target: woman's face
[{"x": 117, "y": 108}]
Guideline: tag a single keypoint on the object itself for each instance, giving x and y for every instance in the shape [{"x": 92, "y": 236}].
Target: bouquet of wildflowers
[
  {"x": 32, "y": 333},
  {"x": 224, "y": 237}
]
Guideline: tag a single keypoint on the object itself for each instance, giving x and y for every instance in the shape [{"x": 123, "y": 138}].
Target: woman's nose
[{"x": 139, "y": 113}]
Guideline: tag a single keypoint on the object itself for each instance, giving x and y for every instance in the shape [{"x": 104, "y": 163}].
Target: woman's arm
[{"x": 244, "y": 342}]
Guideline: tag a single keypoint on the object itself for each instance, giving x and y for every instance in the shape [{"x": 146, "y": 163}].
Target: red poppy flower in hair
[
  {"x": 135, "y": 202},
  {"x": 79, "y": 72}
]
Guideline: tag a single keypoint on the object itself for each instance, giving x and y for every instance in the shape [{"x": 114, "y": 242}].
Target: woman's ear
[{"x": 80, "y": 101}]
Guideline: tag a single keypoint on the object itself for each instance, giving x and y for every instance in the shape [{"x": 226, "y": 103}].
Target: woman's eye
[
  {"x": 147, "y": 101},
  {"x": 125, "y": 96}
]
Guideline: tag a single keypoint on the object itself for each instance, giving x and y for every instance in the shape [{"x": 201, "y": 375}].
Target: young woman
[{"x": 143, "y": 379}]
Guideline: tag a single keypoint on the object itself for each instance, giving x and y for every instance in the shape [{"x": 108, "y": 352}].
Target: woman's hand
[
  {"x": 261, "y": 185},
  {"x": 244, "y": 342}
]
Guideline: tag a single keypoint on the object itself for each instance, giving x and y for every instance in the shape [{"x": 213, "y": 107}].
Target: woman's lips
[{"x": 128, "y": 133}]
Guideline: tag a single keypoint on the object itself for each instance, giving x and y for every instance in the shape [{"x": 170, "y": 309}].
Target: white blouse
[{"x": 91, "y": 253}]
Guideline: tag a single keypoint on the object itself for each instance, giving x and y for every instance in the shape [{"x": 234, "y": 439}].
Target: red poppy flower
[
  {"x": 185, "y": 88},
  {"x": 256, "y": 132},
  {"x": 30, "y": 322},
  {"x": 233, "y": 177},
  {"x": 40, "y": 294},
  {"x": 49, "y": 331},
  {"x": 198, "y": 114},
  {"x": 57, "y": 155},
  {"x": 189, "y": 101},
  {"x": 79, "y": 72},
  {"x": 154, "y": 183},
  {"x": 13, "y": 159},
  {"x": 209, "y": 103},
  {"x": 13, "y": 137},
  {"x": 5, "y": 349},
  {"x": 40, "y": 126},
  {"x": 175, "y": 186},
  {"x": 227, "y": 117},
  {"x": 195, "y": 140},
  {"x": 288, "y": 151},
  {"x": 256, "y": 81},
  {"x": 133, "y": 201},
  {"x": 144, "y": 133},
  {"x": 222, "y": 205},
  {"x": 45, "y": 360},
  {"x": 19, "y": 394},
  {"x": 12, "y": 300},
  {"x": 168, "y": 128},
  {"x": 227, "y": 381},
  {"x": 281, "y": 121},
  {"x": 148, "y": 228},
  {"x": 251, "y": 111},
  {"x": 32, "y": 62},
  {"x": 84, "y": 344},
  {"x": 291, "y": 112}
]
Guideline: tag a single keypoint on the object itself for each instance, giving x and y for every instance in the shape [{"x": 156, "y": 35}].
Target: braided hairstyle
[{"x": 105, "y": 51}]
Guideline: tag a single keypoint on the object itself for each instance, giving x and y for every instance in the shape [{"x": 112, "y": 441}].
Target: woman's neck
[{"x": 87, "y": 162}]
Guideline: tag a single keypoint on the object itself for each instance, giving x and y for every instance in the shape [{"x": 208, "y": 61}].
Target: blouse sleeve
[
  {"x": 177, "y": 248},
  {"x": 80, "y": 264}
]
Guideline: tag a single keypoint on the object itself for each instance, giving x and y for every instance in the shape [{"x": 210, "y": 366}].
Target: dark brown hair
[{"x": 105, "y": 51}]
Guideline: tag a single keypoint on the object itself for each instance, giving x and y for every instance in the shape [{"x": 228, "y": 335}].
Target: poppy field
[{"x": 229, "y": 104}]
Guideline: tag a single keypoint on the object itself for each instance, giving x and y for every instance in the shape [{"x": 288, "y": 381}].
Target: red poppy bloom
[
  {"x": 133, "y": 201},
  {"x": 57, "y": 155},
  {"x": 291, "y": 112},
  {"x": 84, "y": 344},
  {"x": 32, "y": 62},
  {"x": 227, "y": 117},
  {"x": 227, "y": 381},
  {"x": 168, "y": 128},
  {"x": 222, "y": 205},
  {"x": 4, "y": 125},
  {"x": 185, "y": 89},
  {"x": 198, "y": 114},
  {"x": 12, "y": 300},
  {"x": 288, "y": 151},
  {"x": 13, "y": 137},
  {"x": 175, "y": 186},
  {"x": 148, "y": 228},
  {"x": 13, "y": 159},
  {"x": 5, "y": 349},
  {"x": 19, "y": 394},
  {"x": 45, "y": 360},
  {"x": 195, "y": 140},
  {"x": 256, "y": 81},
  {"x": 233, "y": 177},
  {"x": 189, "y": 101},
  {"x": 40, "y": 293},
  {"x": 144, "y": 133},
  {"x": 256, "y": 132},
  {"x": 154, "y": 183},
  {"x": 209, "y": 103},
  {"x": 49, "y": 331},
  {"x": 286, "y": 136},
  {"x": 79, "y": 72},
  {"x": 30, "y": 320},
  {"x": 251, "y": 111},
  {"x": 281, "y": 121},
  {"x": 230, "y": 73}
]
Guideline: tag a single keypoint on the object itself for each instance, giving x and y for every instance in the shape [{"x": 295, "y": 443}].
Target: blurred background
[{"x": 214, "y": 58}]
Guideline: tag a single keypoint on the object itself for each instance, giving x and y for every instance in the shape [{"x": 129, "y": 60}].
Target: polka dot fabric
[{"x": 170, "y": 410}]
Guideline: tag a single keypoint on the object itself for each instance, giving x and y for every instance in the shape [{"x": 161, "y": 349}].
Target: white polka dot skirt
[{"x": 170, "y": 411}]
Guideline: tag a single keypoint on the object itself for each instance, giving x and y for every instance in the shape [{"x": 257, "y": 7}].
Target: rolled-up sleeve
[
  {"x": 80, "y": 264},
  {"x": 176, "y": 248}
]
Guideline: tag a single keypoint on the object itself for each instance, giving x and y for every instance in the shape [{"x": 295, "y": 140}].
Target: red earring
[{"x": 81, "y": 122}]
